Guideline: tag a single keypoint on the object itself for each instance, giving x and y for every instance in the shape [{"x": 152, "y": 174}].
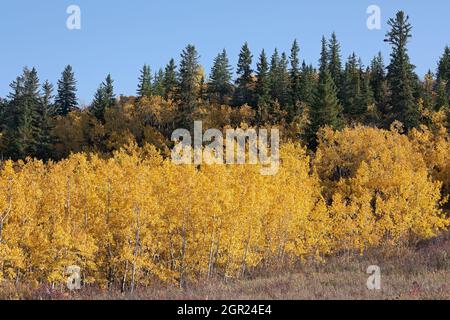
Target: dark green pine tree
[
  {"x": 170, "y": 80},
  {"x": 367, "y": 98},
  {"x": 325, "y": 110},
  {"x": 379, "y": 84},
  {"x": 244, "y": 82},
  {"x": 188, "y": 91},
  {"x": 219, "y": 87},
  {"x": 279, "y": 79},
  {"x": 44, "y": 138},
  {"x": 307, "y": 84},
  {"x": 262, "y": 90},
  {"x": 334, "y": 63},
  {"x": 145, "y": 82},
  {"x": 104, "y": 98},
  {"x": 22, "y": 116},
  {"x": 352, "y": 88},
  {"x": 443, "y": 78},
  {"x": 442, "y": 97},
  {"x": 295, "y": 75},
  {"x": 158, "y": 84},
  {"x": 66, "y": 99},
  {"x": 401, "y": 78},
  {"x": 443, "y": 70}
]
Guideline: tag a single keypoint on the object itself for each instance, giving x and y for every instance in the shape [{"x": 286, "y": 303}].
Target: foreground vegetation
[
  {"x": 407, "y": 272},
  {"x": 137, "y": 218}
]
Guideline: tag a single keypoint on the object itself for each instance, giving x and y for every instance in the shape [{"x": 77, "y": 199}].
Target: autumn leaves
[{"x": 137, "y": 218}]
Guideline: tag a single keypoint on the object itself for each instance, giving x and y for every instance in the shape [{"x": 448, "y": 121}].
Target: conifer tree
[
  {"x": 219, "y": 85},
  {"x": 334, "y": 62},
  {"x": 352, "y": 87},
  {"x": 244, "y": 82},
  {"x": 145, "y": 82},
  {"x": 262, "y": 91},
  {"x": 170, "y": 80},
  {"x": 158, "y": 85},
  {"x": 378, "y": 83},
  {"x": 401, "y": 77},
  {"x": 104, "y": 98},
  {"x": 295, "y": 74},
  {"x": 66, "y": 99},
  {"x": 188, "y": 91},
  {"x": 307, "y": 84}
]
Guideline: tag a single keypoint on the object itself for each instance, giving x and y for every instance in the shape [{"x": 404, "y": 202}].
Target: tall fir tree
[
  {"x": 145, "y": 82},
  {"x": 262, "y": 90},
  {"x": 170, "y": 80},
  {"x": 244, "y": 82},
  {"x": 279, "y": 79},
  {"x": 104, "y": 98},
  {"x": 401, "y": 77},
  {"x": 158, "y": 84},
  {"x": 219, "y": 87},
  {"x": 295, "y": 74},
  {"x": 189, "y": 83},
  {"x": 378, "y": 83},
  {"x": 334, "y": 62},
  {"x": 326, "y": 109},
  {"x": 307, "y": 84},
  {"x": 352, "y": 88},
  {"x": 66, "y": 98}
]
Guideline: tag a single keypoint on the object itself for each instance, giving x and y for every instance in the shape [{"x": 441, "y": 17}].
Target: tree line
[{"x": 282, "y": 90}]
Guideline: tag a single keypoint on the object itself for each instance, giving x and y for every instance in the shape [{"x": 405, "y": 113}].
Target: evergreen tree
[
  {"x": 367, "y": 97},
  {"x": 378, "y": 83},
  {"x": 145, "y": 82},
  {"x": 325, "y": 109},
  {"x": 334, "y": 62},
  {"x": 442, "y": 97},
  {"x": 443, "y": 71},
  {"x": 104, "y": 98},
  {"x": 66, "y": 99},
  {"x": 170, "y": 80},
  {"x": 262, "y": 90},
  {"x": 22, "y": 118},
  {"x": 279, "y": 79},
  {"x": 244, "y": 82},
  {"x": 188, "y": 91},
  {"x": 220, "y": 82},
  {"x": 352, "y": 87},
  {"x": 158, "y": 84},
  {"x": 295, "y": 74},
  {"x": 307, "y": 84},
  {"x": 44, "y": 136},
  {"x": 401, "y": 77}
]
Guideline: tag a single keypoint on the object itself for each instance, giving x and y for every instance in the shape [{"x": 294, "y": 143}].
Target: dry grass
[{"x": 420, "y": 272}]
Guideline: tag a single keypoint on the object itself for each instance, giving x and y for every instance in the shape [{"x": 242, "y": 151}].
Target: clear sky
[{"x": 119, "y": 36}]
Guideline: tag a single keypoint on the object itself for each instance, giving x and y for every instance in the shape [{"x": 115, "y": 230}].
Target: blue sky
[{"x": 120, "y": 36}]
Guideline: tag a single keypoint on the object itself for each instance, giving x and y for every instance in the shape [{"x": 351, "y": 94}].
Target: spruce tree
[
  {"x": 443, "y": 70},
  {"x": 145, "y": 83},
  {"x": 279, "y": 79},
  {"x": 66, "y": 99},
  {"x": 401, "y": 77},
  {"x": 158, "y": 84},
  {"x": 104, "y": 98},
  {"x": 334, "y": 62},
  {"x": 244, "y": 82},
  {"x": 262, "y": 91},
  {"x": 188, "y": 91},
  {"x": 22, "y": 125},
  {"x": 325, "y": 110},
  {"x": 352, "y": 87},
  {"x": 307, "y": 84},
  {"x": 170, "y": 80},
  {"x": 378, "y": 83},
  {"x": 220, "y": 80},
  {"x": 295, "y": 74}
]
